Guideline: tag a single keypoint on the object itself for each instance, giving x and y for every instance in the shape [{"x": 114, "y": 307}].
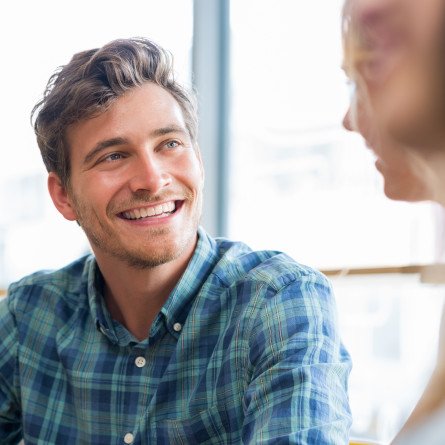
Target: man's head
[
  {"x": 91, "y": 82},
  {"x": 118, "y": 136},
  {"x": 394, "y": 57}
]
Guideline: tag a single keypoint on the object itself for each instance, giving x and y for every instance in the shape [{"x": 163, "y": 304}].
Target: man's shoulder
[
  {"x": 40, "y": 288},
  {"x": 272, "y": 267}
]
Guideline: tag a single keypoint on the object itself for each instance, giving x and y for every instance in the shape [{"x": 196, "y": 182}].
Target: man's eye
[
  {"x": 172, "y": 144},
  {"x": 112, "y": 157}
]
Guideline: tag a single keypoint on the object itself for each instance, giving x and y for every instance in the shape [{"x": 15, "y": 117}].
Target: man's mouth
[{"x": 156, "y": 211}]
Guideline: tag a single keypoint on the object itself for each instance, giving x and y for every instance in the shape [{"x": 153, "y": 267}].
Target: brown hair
[{"x": 91, "y": 82}]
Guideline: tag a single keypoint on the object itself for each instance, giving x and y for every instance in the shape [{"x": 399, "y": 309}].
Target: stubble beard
[{"x": 103, "y": 239}]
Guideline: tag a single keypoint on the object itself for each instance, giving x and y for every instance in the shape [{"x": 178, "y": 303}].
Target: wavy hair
[{"x": 91, "y": 82}]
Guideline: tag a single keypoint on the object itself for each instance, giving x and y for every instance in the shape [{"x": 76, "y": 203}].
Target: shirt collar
[
  {"x": 176, "y": 308},
  {"x": 98, "y": 309}
]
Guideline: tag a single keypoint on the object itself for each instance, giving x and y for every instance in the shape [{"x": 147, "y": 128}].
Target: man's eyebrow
[
  {"x": 169, "y": 129},
  {"x": 102, "y": 145}
]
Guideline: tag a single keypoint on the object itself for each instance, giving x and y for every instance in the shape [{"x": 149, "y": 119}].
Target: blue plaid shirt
[{"x": 245, "y": 350}]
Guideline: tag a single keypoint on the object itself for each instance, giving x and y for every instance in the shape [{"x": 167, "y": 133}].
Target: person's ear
[{"x": 60, "y": 197}]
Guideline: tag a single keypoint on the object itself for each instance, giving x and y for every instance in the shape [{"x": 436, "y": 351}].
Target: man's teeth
[{"x": 167, "y": 207}]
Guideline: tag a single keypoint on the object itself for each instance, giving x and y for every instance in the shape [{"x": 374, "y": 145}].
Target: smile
[{"x": 157, "y": 211}]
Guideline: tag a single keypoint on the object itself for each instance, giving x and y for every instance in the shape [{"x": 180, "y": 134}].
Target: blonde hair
[{"x": 355, "y": 50}]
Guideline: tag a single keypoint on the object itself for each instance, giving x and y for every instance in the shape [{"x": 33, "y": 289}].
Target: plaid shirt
[{"x": 245, "y": 350}]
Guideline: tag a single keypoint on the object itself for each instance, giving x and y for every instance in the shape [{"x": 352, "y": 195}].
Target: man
[{"x": 165, "y": 335}]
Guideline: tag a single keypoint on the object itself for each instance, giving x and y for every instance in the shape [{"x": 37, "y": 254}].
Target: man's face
[
  {"x": 393, "y": 63},
  {"x": 136, "y": 179}
]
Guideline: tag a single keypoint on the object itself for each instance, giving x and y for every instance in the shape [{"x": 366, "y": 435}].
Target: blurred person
[
  {"x": 394, "y": 56},
  {"x": 164, "y": 334}
]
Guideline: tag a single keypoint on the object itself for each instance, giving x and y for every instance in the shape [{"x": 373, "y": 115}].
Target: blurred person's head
[
  {"x": 91, "y": 82},
  {"x": 393, "y": 54}
]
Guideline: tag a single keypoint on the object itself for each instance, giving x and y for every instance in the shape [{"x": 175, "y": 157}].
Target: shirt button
[
  {"x": 177, "y": 327},
  {"x": 128, "y": 438},
  {"x": 140, "y": 363}
]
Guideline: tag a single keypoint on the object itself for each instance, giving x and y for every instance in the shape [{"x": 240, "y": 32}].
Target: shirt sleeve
[
  {"x": 10, "y": 416},
  {"x": 298, "y": 391}
]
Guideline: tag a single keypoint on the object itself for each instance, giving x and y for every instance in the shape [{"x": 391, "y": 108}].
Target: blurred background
[{"x": 281, "y": 172}]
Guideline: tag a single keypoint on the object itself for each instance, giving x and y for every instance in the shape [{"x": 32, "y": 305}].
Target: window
[
  {"x": 389, "y": 324},
  {"x": 295, "y": 173},
  {"x": 37, "y": 37}
]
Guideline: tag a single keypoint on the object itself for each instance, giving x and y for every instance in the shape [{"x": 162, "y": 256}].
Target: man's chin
[
  {"x": 145, "y": 252},
  {"x": 141, "y": 263},
  {"x": 163, "y": 252}
]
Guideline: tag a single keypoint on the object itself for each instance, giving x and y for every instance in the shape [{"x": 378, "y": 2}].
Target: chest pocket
[{"x": 209, "y": 427}]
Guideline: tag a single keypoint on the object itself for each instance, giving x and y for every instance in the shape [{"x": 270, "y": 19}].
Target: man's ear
[{"x": 60, "y": 197}]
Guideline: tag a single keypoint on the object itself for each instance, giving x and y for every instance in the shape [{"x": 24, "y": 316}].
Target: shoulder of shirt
[
  {"x": 40, "y": 288},
  {"x": 238, "y": 262}
]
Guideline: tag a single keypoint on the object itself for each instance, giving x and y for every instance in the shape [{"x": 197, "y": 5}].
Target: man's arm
[
  {"x": 298, "y": 393},
  {"x": 10, "y": 416}
]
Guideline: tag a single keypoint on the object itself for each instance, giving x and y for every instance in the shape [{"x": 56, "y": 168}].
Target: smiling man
[{"x": 163, "y": 334}]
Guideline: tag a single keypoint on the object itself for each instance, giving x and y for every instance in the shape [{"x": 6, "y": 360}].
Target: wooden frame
[{"x": 428, "y": 273}]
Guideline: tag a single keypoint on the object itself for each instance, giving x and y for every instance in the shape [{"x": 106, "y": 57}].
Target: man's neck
[{"x": 135, "y": 296}]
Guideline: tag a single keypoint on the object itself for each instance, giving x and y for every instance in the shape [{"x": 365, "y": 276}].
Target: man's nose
[{"x": 149, "y": 173}]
